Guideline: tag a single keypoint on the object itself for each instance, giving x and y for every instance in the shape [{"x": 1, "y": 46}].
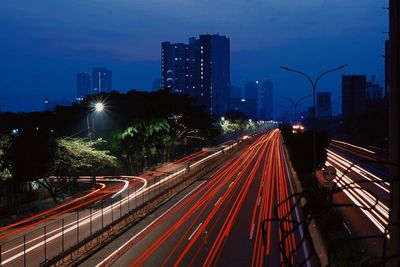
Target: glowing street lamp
[{"x": 99, "y": 107}]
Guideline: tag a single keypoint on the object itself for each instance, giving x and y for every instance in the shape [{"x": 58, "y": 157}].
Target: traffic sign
[{"x": 329, "y": 173}]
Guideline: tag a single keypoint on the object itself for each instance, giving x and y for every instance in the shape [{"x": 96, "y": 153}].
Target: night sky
[{"x": 43, "y": 43}]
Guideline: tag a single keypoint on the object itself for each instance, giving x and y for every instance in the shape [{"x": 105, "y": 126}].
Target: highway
[
  {"x": 365, "y": 185},
  {"x": 34, "y": 240},
  {"x": 226, "y": 219}
]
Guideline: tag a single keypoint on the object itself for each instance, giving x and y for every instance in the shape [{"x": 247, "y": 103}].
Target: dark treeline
[{"x": 134, "y": 131}]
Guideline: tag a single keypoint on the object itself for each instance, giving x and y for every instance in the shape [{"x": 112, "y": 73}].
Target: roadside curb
[{"x": 313, "y": 229}]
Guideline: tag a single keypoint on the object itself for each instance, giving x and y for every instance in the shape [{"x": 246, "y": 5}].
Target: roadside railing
[{"x": 71, "y": 236}]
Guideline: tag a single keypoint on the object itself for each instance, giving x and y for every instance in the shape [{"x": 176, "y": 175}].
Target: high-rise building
[
  {"x": 373, "y": 90},
  {"x": 174, "y": 66},
  {"x": 156, "y": 85},
  {"x": 353, "y": 96},
  {"x": 83, "y": 85},
  {"x": 102, "y": 80},
  {"x": 324, "y": 105},
  {"x": 236, "y": 92},
  {"x": 262, "y": 94},
  {"x": 200, "y": 69},
  {"x": 266, "y": 101},
  {"x": 245, "y": 106},
  {"x": 251, "y": 90},
  {"x": 387, "y": 67}
]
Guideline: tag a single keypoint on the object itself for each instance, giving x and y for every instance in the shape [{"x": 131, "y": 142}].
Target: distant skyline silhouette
[{"x": 43, "y": 44}]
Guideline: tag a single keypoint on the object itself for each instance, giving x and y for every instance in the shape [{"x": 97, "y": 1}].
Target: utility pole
[{"x": 394, "y": 116}]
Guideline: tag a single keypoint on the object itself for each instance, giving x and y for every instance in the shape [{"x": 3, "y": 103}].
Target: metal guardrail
[{"x": 68, "y": 239}]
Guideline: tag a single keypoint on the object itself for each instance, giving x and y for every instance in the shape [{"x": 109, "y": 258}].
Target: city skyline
[
  {"x": 325, "y": 41},
  {"x": 199, "y": 133}
]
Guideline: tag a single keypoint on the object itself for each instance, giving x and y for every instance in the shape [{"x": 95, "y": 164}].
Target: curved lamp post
[
  {"x": 295, "y": 104},
  {"x": 314, "y": 84}
]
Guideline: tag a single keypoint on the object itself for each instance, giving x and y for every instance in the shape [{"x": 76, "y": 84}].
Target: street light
[
  {"x": 295, "y": 104},
  {"x": 98, "y": 108},
  {"x": 314, "y": 84}
]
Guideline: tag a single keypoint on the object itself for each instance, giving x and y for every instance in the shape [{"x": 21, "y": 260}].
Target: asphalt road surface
[
  {"x": 32, "y": 241},
  {"x": 229, "y": 219},
  {"x": 365, "y": 185}
]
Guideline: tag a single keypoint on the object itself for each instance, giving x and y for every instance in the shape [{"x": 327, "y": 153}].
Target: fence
[{"x": 74, "y": 233}]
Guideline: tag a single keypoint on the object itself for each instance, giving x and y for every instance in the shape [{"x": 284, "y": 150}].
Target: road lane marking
[
  {"x": 97, "y": 214},
  {"x": 216, "y": 203},
  {"x": 195, "y": 230},
  {"x": 153, "y": 222},
  {"x": 252, "y": 231},
  {"x": 347, "y": 227},
  {"x": 358, "y": 147}
]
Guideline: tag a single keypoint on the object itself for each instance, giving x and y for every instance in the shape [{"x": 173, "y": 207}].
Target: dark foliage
[{"x": 300, "y": 147}]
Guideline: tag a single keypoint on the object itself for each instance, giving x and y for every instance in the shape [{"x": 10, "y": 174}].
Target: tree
[
  {"x": 5, "y": 164},
  {"x": 143, "y": 140},
  {"x": 75, "y": 157},
  {"x": 300, "y": 149},
  {"x": 31, "y": 156}
]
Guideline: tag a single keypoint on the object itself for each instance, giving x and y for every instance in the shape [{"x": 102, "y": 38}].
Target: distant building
[
  {"x": 83, "y": 85},
  {"x": 310, "y": 113},
  {"x": 324, "y": 105},
  {"x": 102, "y": 80},
  {"x": 387, "y": 68},
  {"x": 266, "y": 101},
  {"x": 262, "y": 94},
  {"x": 50, "y": 105},
  {"x": 373, "y": 90},
  {"x": 236, "y": 92},
  {"x": 174, "y": 66},
  {"x": 246, "y": 106},
  {"x": 353, "y": 96},
  {"x": 156, "y": 85},
  {"x": 251, "y": 90},
  {"x": 200, "y": 69}
]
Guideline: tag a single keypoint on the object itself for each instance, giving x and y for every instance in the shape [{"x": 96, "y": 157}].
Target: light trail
[
  {"x": 354, "y": 146},
  {"x": 218, "y": 182},
  {"x": 39, "y": 215},
  {"x": 378, "y": 215},
  {"x": 87, "y": 219},
  {"x": 67, "y": 228}
]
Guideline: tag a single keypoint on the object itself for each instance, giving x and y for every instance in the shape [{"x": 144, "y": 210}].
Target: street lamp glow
[
  {"x": 99, "y": 107},
  {"x": 222, "y": 118}
]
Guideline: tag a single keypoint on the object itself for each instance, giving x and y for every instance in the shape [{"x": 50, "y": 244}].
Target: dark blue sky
[{"x": 43, "y": 43}]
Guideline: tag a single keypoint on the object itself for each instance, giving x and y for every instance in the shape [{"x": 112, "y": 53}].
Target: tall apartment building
[
  {"x": 266, "y": 101},
  {"x": 200, "y": 69},
  {"x": 101, "y": 80},
  {"x": 262, "y": 94},
  {"x": 324, "y": 105},
  {"x": 83, "y": 85},
  {"x": 353, "y": 96},
  {"x": 373, "y": 90}
]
